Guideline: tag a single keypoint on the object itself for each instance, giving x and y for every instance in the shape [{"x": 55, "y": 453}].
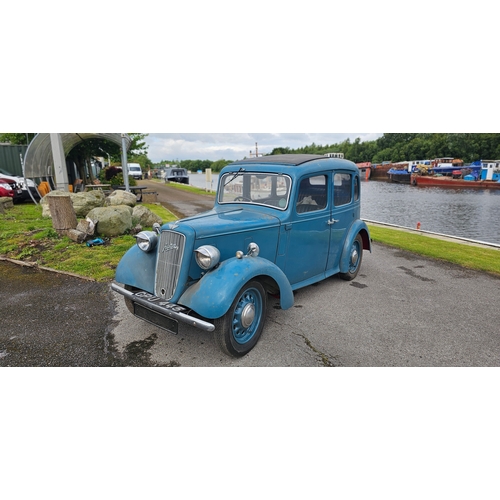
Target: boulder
[
  {"x": 112, "y": 221},
  {"x": 6, "y": 202},
  {"x": 120, "y": 197},
  {"x": 83, "y": 203},
  {"x": 143, "y": 216}
]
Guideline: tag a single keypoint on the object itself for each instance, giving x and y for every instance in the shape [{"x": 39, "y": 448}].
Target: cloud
[{"x": 229, "y": 146}]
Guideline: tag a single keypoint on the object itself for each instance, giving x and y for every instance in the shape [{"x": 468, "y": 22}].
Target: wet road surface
[
  {"x": 401, "y": 310},
  {"x": 50, "y": 319}
]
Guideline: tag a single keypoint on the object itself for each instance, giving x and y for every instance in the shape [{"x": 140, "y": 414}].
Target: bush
[{"x": 114, "y": 176}]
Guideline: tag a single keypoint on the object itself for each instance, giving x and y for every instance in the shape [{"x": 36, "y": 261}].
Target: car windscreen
[{"x": 272, "y": 190}]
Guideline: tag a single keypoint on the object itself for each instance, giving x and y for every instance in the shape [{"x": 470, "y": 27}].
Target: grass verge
[
  {"x": 186, "y": 187},
  {"x": 27, "y": 236},
  {"x": 469, "y": 256}
]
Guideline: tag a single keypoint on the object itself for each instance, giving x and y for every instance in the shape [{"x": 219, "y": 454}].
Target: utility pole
[
  {"x": 256, "y": 154},
  {"x": 124, "y": 163}
]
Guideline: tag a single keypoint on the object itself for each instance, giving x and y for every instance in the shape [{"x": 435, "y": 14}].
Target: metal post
[
  {"x": 26, "y": 182},
  {"x": 124, "y": 163},
  {"x": 59, "y": 162}
]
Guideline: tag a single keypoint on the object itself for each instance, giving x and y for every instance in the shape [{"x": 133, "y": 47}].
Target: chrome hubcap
[
  {"x": 247, "y": 315},
  {"x": 354, "y": 257}
]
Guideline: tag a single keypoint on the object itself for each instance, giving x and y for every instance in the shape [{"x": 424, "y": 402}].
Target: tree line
[
  {"x": 397, "y": 147},
  {"x": 195, "y": 165}
]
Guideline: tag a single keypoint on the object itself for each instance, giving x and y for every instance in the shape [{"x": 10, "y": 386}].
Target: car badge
[{"x": 168, "y": 248}]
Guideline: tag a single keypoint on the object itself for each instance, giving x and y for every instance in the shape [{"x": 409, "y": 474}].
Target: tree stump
[{"x": 63, "y": 214}]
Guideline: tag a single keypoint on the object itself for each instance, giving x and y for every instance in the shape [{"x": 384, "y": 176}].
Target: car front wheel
[
  {"x": 355, "y": 258},
  {"x": 238, "y": 331}
]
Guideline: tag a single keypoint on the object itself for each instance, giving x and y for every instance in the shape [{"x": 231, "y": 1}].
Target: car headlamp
[
  {"x": 146, "y": 240},
  {"x": 207, "y": 256}
]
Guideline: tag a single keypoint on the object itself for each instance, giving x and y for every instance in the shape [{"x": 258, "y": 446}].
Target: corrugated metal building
[{"x": 10, "y": 159}]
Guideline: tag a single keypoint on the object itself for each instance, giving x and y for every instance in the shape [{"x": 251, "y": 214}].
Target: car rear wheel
[
  {"x": 238, "y": 331},
  {"x": 355, "y": 258}
]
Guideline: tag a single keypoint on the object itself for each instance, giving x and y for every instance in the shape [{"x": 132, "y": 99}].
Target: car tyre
[
  {"x": 355, "y": 258},
  {"x": 238, "y": 331}
]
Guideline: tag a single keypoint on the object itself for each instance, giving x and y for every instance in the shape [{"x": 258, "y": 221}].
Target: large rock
[
  {"x": 143, "y": 216},
  {"x": 120, "y": 197},
  {"x": 6, "y": 202},
  {"x": 83, "y": 203},
  {"x": 112, "y": 221}
]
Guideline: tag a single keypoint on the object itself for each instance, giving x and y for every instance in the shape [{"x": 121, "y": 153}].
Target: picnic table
[{"x": 102, "y": 187}]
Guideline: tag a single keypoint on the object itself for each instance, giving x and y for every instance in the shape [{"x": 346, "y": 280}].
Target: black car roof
[{"x": 290, "y": 159}]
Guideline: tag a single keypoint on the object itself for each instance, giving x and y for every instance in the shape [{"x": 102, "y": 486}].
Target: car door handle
[{"x": 333, "y": 221}]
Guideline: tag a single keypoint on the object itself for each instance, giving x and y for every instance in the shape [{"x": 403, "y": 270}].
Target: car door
[
  {"x": 345, "y": 199},
  {"x": 309, "y": 230}
]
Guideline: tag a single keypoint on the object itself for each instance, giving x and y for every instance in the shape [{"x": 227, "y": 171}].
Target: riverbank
[{"x": 465, "y": 253}]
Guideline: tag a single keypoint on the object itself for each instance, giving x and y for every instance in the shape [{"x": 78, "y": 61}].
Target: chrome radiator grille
[{"x": 168, "y": 264}]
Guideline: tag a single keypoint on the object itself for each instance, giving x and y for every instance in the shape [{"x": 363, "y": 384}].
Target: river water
[{"x": 467, "y": 213}]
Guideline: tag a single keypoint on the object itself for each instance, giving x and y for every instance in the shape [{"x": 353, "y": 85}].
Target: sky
[{"x": 234, "y": 146}]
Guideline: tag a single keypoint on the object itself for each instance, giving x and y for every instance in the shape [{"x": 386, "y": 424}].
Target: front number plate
[
  {"x": 169, "y": 324},
  {"x": 155, "y": 317}
]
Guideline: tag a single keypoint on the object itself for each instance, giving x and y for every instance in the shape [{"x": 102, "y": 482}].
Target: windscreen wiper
[{"x": 237, "y": 174}]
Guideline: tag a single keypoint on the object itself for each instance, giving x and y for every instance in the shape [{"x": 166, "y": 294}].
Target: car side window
[
  {"x": 312, "y": 194},
  {"x": 342, "y": 189}
]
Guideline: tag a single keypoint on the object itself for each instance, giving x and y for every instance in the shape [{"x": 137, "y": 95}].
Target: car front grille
[{"x": 168, "y": 265}]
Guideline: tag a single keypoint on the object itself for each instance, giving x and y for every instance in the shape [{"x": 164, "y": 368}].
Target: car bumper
[
  {"x": 27, "y": 196},
  {"x": 160, "y": 311}
]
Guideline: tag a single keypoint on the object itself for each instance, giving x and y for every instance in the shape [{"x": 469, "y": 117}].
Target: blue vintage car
[{"x": 279, "y": 223}]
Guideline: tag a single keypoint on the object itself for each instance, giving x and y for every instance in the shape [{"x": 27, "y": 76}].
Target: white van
[{"x": 134, "y": 170}]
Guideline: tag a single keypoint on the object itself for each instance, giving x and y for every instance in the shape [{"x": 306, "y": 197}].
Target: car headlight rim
[
  {"x": 146, "y": 240},
  {"x": 207, "y": 257}
]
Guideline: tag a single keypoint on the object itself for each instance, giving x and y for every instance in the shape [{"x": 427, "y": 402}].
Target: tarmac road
[
  {"x": 402, "y": 310},
  {"x": 179, "y": 202}
]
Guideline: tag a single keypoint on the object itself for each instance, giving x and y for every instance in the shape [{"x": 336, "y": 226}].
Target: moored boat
[
  {"x": 365, "y": 170},
  {"x": 489, "y": 177},
  {"x": 379, "y": 171},
  {"x": 399, "y": 175}
]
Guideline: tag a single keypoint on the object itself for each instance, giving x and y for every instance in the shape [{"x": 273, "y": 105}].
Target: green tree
[
  {"x": 18, "y": 139},
  {"x": 138, "y": 145}
]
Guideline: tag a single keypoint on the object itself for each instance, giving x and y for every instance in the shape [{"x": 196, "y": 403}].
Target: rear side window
[
  {"x": 312, "y": 194},
  {"x": 342, "y": 189}
]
